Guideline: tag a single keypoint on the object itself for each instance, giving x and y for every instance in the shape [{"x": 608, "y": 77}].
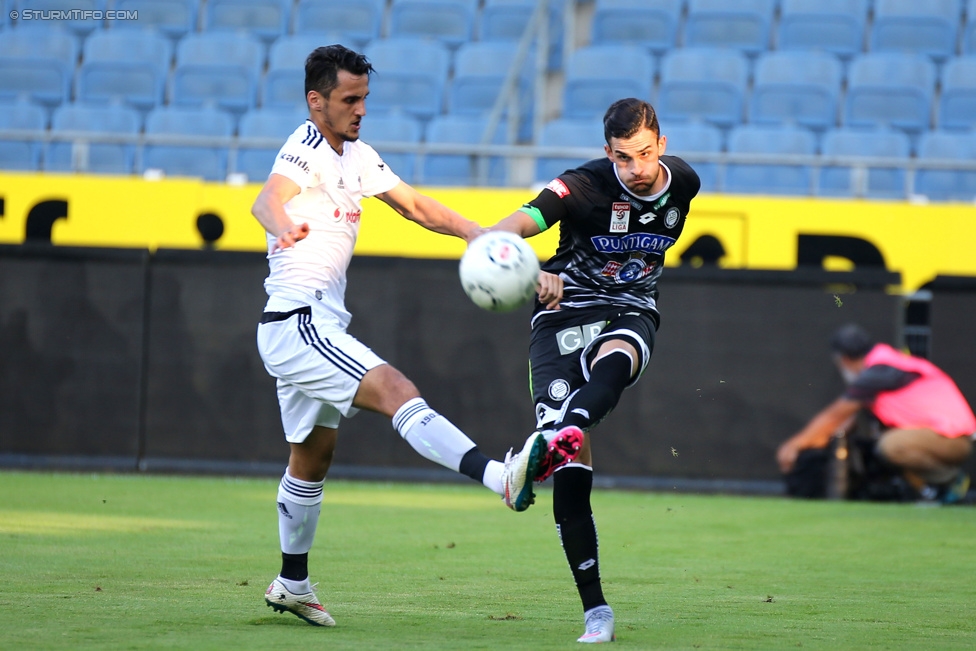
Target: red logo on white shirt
[{"x": 558, "y": 187}]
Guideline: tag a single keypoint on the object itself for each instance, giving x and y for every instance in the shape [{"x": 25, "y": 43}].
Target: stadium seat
[
  {"x": 273, "y": 124},
  {"x": 929, "y": 27},
  {"x": 872, "y": 182},
  {"x": 506, "y": 20},
  {"x": 78, "y": 26},
  {"x": 265, "y": 19},
  {"x": 649, "y": 23},
  {"x": 598, "y": 75},
  {"x": 890, "y": 88},
  {"x": 957, "y": 103},
  {"x": 835, "y": 26},
  {"x": 743, "y": 25},
  {"x": 946, "y": 185},
  {"x": 126, "y": 64},
  {"x": 174, "y": 18},
  {"x": 354, "y": 23},
  {"x": 410, "y": 76},
  {"x": 799, "y": 87},
  {"x": 207, "y": 161},
  {"x": 449, "y": 21},
  {"x": 15, "y": 153},
  {"x": 38, "y": 62},
  {"x": 685, "y": 138},
  {"x": 969, "y": 29},
  {"x": 480, "y": 71},
  {"x": 218, "y": 67},
  {"x": 703, "y": 83},
  {"x": 381, "y": 130},
  {"x": 564, "y": 132},
  {"x": 456, "y": 169},
  {"x": 96, "y": 157},
  {"x": 283, "y": 86},
  {"x": 759, "y": 178}
]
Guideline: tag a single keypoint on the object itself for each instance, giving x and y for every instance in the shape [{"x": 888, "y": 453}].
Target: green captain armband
[{"x": 536, "y": 216}]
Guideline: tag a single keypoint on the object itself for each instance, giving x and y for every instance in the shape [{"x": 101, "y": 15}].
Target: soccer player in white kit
[{"x": 311, "y": 207}]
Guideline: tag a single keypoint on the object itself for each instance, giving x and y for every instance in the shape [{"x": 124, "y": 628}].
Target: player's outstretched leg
[
  {"x": 305, "y": 605},
  {"x": 520, "y": 471},
  {"x": 599, "y": 626},
  {"x": 564, "y": 445}
]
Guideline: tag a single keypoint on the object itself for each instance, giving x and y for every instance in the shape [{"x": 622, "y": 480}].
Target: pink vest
[{"x": 933, "y": 401}]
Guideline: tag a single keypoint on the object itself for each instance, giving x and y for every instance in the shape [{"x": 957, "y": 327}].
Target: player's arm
[
  {"x": 837, "y": 415},
  {"x": 429, "y": 213},
  {"x": 269, "y": 210}
]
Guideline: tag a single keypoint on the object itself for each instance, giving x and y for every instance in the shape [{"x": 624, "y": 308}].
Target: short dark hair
[
  {"x": 851, "y": 341},
  {"x": 625, "y": 117},
  {"x": 323, "y": 65}
]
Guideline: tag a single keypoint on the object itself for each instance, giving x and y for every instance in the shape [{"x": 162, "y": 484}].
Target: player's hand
[
  {"x": 786, "y": 456},
  {"x": 296, "y": 233},
  {"x": 550, "y": 289}
]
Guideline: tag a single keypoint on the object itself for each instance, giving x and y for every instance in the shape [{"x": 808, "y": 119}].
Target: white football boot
[
  {"x": 520, "y": 470},
  {"x": 305, "y": 605},
  {"x": 599, "y": 625}
]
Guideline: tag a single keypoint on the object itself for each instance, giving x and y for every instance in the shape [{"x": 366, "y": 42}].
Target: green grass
[{"x": 137, "y": 562}]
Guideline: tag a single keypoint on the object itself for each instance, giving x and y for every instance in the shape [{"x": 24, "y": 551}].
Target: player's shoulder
[
  {"x": 591, "y": 173},
  {"x": 682, "y": 174},
  {"x": 307, "y": 135}
]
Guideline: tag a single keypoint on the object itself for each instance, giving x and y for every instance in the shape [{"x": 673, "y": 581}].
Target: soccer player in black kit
[{"x": 593, "y": 327}]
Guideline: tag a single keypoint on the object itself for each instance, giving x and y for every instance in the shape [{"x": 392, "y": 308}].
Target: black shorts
[{"x": 562, "y": 345}]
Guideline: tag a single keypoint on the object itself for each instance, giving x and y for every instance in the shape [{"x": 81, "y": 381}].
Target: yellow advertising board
[{"x": 917, "y": 240}]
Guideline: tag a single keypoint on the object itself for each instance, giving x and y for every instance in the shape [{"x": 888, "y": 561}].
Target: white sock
[
  {"x": 299, "y": 504},
  {"x": 493, "y": 476},
  {"x": 430, "y": 434},
  {"x": 296, "y": 587}
]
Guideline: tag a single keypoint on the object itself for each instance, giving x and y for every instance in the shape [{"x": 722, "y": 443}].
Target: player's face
[
  {"x": 340, "y": 114},
  {"x": 637, "y": 160}
]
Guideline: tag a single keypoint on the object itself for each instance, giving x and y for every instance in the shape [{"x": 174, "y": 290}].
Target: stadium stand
[
  {"x": 506, "y": 20},
  {"x": 353, "y": 23},
  {"x": 79, "y": 26},
  {"x": 454, "y": 169},
  {"x": 947, "y": 185},
  {"x": 796, "y": 86},
  {"x": 128, "y": 65},
  {"x": 99, "y": 158},
  {"x": 218, "y": 67},
  {"x": 275, "y": 124},
  {"x": 957, "y": 101},
  {"x": 265, "y": 19},
  {"x": 703, "y": 83},
  {"x": 835, "y": 26},
  {"x": 449, "y": 21},
  {"x": 283, "y": 86},
  {"x": 743, "y": 25},
  {"x": 890, "y": 88},
  {"x": 747, "y": 178},
  {"x": 480, "y": 71},
  {"x": 969, "y": 29},
  {"x": 872, "y": 182},
  {"x": 380, "y": 130},
  {"x": 174, "y": 18},
  {"x": 929, "y": 27},
  {"x": 598, "y": 75},
  {"x": 206, "y": 161},
  {"x": 16, "y": 153},
  {"x": 411, "y": 76},
  {"x": 684, "y": 138},
  {"x": 37, "y": 61},
  {"x": 653, "y": 24},
  {"x": 563, "y": 131}
]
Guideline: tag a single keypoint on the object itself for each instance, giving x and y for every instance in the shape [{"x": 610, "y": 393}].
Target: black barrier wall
[{"x": 151, "y": 361}]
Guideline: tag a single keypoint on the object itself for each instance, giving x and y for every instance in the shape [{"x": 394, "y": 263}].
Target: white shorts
[{"x": 318, "y": 368}]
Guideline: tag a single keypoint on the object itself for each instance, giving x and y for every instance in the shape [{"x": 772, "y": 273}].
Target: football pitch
[{"x": 152, "y": 562}]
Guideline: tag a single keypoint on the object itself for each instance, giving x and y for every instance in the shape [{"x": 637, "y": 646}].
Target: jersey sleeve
[
  {"x": 377, "y": 177},
  {"x": 685, "y": 175},
  {"x": 877, "y": 379},
  {"x": 551, "y": 204},
  {"x": 295, "y": 161}
]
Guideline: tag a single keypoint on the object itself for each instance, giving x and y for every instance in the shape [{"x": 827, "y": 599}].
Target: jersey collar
[{"x": 654, "y": 196}]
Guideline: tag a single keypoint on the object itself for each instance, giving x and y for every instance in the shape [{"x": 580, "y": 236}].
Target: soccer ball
[{"x": 499, "y": 271}]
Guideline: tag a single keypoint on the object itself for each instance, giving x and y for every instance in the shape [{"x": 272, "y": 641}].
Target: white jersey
[{"x": 313, "y": 271}]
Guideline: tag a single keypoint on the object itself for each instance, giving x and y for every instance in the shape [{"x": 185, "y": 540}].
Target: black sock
[
  {"x": 577, "y": 531},
  {"x": 294, "y": 566},
  {"x": 597, "y": 398},
  {"x": 473, "y": 464}
]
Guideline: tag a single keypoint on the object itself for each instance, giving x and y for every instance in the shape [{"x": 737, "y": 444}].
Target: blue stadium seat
[
  {"x": 218, "y": 67},
  {"x": 969, "y": 29},
  {"x": 454, "y": 169},
  {"x": 102, "y": 158},
  {"x": 957, "y": 103},
  {"x": 743, "y": 25},
  {"x": 79, "y": 26},
  {"x": 879, "y": 182},
  {"x": 273, "y": 124},
  {"x": 703, "y": 83},
  {"x": 21, "y": 154},
  {"x": 126, "y": 64},
  {"x": 38, "y": 62},
  {"x": 947, "y": 185},
  {"x": 506, "y": 20},
  {"x": 354, "y": 23},
  {"x": 769, "y": 178},
  {"x": 208, "y": 162},
  {"x": 649, "y": 23},
  {"x": 685, "y": 138},
  {"x": 598, "y": 75},
  {"x": 835, "y": 26},
  {"x": 799, "y": 87},
  {"x": 380, "y": 130},
  {"x": 480, "y": 71},
  {"x": 564, "y": 132},
  {"x": 283, "y": 86},
  {"x": 410, "y": 76},
  {"x": 174, "y": 18},
  {"x": 890, "y": 88},
  {"x": 929, "y": 27},
  {"x": 449, "y": 21},
  {"x": 266, "y": 19}
]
